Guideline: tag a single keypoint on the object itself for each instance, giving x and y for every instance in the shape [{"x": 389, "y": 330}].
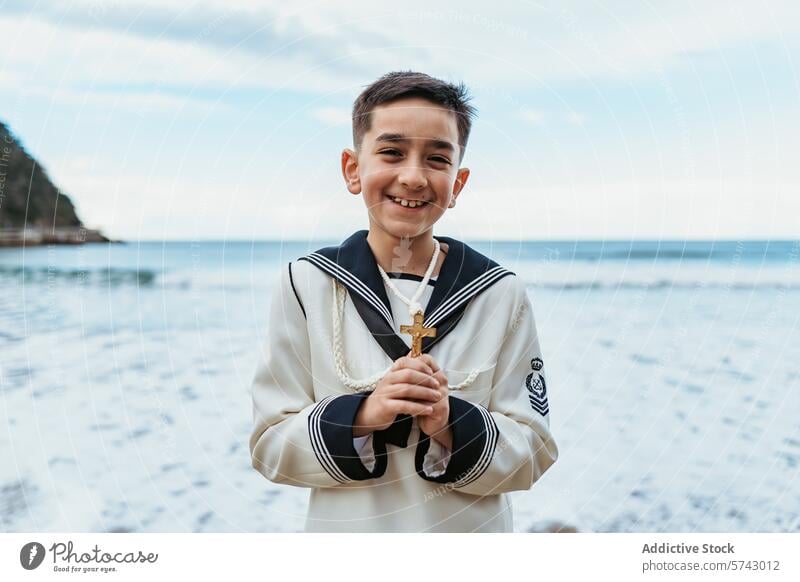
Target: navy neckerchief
[{"x": 464, "y": 274}]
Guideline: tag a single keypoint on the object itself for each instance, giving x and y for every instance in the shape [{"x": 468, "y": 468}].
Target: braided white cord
[
  {"x": 338, "y": 351},
  {"x": 467, "y": 381}
]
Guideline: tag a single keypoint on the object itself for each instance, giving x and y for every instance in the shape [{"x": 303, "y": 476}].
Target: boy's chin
[{"x": 403, "y": 231}]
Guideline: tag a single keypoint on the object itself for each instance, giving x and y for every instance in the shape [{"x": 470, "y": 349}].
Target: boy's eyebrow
[{"x": 436, "y": 142}]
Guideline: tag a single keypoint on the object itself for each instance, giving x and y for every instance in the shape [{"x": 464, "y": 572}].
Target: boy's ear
[
  {"x": 461, "y": 180},
  {"x": 350, "y": 171}
]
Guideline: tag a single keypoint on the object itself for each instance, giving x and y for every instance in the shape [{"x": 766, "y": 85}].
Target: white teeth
[{"x": 409, "y": 203}]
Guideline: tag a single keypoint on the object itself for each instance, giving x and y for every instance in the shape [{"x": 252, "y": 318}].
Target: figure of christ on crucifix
[{"x": 417, "y": 332}]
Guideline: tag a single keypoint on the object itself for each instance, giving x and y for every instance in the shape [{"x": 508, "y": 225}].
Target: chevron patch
[{"x": 537, "y": 392}]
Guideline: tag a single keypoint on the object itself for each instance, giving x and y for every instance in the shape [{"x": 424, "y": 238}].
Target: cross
[{"x": 417, "y": 332}]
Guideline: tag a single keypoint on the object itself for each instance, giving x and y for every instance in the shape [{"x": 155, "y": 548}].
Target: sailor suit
[{"x": 334, "y": 331}]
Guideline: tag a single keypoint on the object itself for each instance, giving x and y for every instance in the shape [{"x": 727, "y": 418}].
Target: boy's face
[{"x": 411, "y": 152}]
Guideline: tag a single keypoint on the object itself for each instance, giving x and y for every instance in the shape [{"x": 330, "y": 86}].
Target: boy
[{"x": 392, "y": 437}]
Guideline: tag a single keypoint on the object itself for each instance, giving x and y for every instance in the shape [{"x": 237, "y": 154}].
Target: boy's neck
[{"x": 404, "y": 255}]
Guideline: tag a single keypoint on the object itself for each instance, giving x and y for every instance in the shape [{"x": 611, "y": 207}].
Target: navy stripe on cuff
[{"x": 330, "y": 427}]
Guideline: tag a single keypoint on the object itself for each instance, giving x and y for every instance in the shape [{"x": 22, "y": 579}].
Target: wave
[
  {"x": 712, "y": 252},
  {"x": 663, "y": 284},
  {"x": 257, "y": 281},
  {"x": 101, "y": 276},
  {"x": 640, "y": 255}
]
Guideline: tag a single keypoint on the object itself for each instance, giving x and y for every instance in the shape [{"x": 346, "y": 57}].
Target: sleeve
[
  {"x": 507, "y": 446},
  {"x": 434, "y": 463},
  {"x": 436, "y": 459},
  {"x": 296, "y": 440},
  {"x": 366, "y": 453}
]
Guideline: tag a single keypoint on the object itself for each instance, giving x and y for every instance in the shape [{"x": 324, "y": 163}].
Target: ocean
[{"x": 673, "y": 374}]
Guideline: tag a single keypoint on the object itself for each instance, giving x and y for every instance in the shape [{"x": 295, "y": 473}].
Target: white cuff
[
  {"x": 363, "y": 446},
  {"x": 435, "y": 462}
]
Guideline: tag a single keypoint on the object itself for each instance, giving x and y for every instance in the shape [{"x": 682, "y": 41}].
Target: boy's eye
[{"x": 395, "y": 153}]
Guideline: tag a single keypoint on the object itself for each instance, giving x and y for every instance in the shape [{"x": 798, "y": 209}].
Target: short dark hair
[{"x": 401, "y": 84}]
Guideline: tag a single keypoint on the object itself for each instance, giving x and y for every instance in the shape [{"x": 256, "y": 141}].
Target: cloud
[
  {"x": 142, "y": 102},
  {"x": 575, "y": 118},
  {"x": 538, "y": 117},
  {"x": 172, "y": 56},
  {"x": 532, "y": 116},
  {"x": 257, "y": 28},
  {"x": 323, "y": 46},
  {"x": 48, "y": 53},
  {"x": 628, "y": 209},
  {"x": 332, "y": 115}
]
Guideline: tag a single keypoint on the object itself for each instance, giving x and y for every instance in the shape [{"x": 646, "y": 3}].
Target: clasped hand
[{"x": 414, "y": 386}]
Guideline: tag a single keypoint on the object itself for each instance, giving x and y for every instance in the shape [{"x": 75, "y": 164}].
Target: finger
[
  {"x": 416, "y": 377},
  {"x": 411, "y": 407},
  {"x": 442, "y": 379},
  {"x": 409, "y": 391},
  {"x": 403, "y": 362},
  {"x": 423, "y": 366},
  {"x": 414, "y": 364},
  {"x": 428, "y": 359}
]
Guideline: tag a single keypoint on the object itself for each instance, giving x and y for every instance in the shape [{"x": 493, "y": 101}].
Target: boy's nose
[{"x": 413, "y": 177}]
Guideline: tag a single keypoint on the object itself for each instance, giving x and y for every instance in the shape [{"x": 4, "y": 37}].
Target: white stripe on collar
[
  {"x": 468, "y": 291},
  {"x": 369, "y": 296}
]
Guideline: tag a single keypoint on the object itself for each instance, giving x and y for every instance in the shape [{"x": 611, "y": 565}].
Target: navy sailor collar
[{"x": 464, "y": 274}]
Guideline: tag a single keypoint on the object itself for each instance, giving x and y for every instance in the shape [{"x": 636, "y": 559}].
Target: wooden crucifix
[{"x": 417, "y": 332}]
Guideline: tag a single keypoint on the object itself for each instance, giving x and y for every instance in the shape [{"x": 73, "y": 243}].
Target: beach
[{"x": 672, "y": 369}]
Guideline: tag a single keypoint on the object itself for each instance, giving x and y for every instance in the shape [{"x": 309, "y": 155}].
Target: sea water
[{"x": 672, "y": 369}]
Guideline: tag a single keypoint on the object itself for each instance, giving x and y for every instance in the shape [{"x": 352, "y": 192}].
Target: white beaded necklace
[{"x": 413, "y": 303}]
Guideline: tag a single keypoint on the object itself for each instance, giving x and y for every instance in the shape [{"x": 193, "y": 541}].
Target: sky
[{"x": 596, "y": 120}]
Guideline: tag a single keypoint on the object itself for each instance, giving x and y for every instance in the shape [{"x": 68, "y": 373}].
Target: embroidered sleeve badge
[{"x": 537, "y": 388}]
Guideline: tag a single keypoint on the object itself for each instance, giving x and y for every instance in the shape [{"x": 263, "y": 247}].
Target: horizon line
[{"x": 471, "y": 240}]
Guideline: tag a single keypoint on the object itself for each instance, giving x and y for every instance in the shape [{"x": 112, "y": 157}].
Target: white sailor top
[{"x": 333, "y": 331}]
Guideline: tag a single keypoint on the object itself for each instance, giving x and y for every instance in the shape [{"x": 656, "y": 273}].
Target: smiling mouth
[{"x": 408, "y": 204}]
